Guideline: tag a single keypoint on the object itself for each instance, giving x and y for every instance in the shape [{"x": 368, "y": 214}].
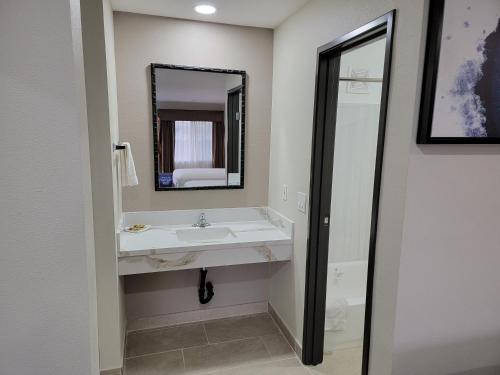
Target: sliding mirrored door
[
  {"x": 351, "y": 104},
  {"x": 353, "y": 178}
]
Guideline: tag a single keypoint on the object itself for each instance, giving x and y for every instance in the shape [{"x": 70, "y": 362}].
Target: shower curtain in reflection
[{"x": 353, "y": 173}]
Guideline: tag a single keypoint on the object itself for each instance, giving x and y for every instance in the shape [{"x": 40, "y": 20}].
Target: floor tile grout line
[
  {"x": 248, "y": 365},
  {"x": 195, "y": 322},
  {"x": 183, "y": 359},
  {"x": 148, "y": 330},
  {"x": 192, "y": 347},
  {"x": 248, "y": 337},
  {"x": 206, "y": 333},
  {"x": 238, "y": 339},
  {"x": 224, "y": 342},
  {"x": 292, "y": 353},
  {"x": 201, "y": 322},
  {"x": 265, "y": 347},
  {"x": 209, "y": 343},
  {"x": 171, "y": 350},
  {"x": 157, "y": 353},
  {"x": 267, "y": 361}
]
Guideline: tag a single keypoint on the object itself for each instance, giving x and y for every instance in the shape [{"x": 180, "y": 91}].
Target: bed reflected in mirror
[{"x": 198, "y": 127}]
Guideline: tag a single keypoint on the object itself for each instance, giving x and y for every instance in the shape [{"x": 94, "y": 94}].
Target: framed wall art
[{"x": 461, "y": 85}]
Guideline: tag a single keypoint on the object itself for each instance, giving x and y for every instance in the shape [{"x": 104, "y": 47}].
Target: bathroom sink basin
[{"x": 209, "y": 234}]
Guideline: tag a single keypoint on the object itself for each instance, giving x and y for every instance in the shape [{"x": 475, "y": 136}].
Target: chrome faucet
[{"x": 202, "y": 222}]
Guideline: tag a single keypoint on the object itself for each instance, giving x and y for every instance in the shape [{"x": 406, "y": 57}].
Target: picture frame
[{"x": 461, "y": 81}]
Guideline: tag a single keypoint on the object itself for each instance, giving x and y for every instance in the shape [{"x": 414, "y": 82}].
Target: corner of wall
[
  {"x": 291, "y": 131},
  {"x": 100, "y": 83}
]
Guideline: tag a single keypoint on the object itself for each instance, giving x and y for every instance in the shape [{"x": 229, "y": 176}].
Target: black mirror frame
[{"x": 243, "y": 74}]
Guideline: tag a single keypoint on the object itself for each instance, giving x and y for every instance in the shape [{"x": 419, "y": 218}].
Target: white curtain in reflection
[
  {"x": 353, "y": 176},
  {"x": 193, "y": 144}
]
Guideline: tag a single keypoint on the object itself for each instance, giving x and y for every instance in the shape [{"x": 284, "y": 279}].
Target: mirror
[{"x": 198, "y": 127}]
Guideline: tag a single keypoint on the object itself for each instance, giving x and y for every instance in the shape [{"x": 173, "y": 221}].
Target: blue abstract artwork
[{"x": 467, "y": 95}]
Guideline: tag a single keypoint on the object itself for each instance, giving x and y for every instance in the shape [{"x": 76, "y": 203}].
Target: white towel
[
  {"x": 127, "y": 166},
  {"x": 336, "y": 315}
]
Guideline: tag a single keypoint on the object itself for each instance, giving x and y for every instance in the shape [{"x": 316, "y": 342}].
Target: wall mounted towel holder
[{"x": 119, "y": 147}]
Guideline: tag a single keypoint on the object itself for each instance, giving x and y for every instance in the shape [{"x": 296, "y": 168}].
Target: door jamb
[{"x": 317, "y": 259}]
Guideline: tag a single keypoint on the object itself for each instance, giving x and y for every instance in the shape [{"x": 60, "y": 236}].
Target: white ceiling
[
  {"x": 259, "y": 13},
  {"x": 181, "y": 86}
]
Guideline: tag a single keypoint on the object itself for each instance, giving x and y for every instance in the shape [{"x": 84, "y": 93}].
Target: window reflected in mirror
[{"x": 198, "y": 127}]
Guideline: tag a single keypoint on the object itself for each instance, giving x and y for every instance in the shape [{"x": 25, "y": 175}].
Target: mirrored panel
[
  {"x": 198, "y": 127},
  {"x": 357, "y": 130}
]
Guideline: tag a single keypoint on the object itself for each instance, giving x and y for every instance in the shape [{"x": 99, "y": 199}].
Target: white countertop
[{"x": 162, "y": 239}]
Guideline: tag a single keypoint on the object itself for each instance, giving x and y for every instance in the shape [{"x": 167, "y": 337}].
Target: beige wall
[
  {"x": 141, "y": 40},
  {"x": 152, "y": 295},
  {"x": 48, "y": 317},
  {"x": 97, "y": 19},
  {"x": 438, "y": 214},
  {"x": 295, "y": 44}
]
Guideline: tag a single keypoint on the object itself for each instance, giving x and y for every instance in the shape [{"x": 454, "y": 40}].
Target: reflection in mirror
[
  {"x": 353, "y": 181},
  {"x": 198, "y": 127}
]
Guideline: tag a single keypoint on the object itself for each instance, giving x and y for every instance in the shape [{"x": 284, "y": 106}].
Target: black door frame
[
  {"x": 321, "y": 180},
  {"x": 233, "y": 138}
]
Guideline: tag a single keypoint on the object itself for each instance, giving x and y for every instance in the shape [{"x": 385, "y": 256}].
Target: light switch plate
[
  {"x": 301, "y": 202},
  {"x": 284, "y": 193}
]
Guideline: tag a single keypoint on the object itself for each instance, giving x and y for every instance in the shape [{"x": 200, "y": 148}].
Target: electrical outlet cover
[{"x": 301, "y": 202}]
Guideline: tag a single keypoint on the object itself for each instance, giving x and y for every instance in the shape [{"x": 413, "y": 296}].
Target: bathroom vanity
[{"x": 232, "y": 236}]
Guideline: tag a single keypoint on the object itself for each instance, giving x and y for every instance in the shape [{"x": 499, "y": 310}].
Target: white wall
[
  {"x": 141, "y": 40},
  {"x": 97, "y": 20},
  {"x": 448, "y": 307},
  {"x": 447, "y": 310},
  {"x": 109, "y": 39},
  {"x": 295, "y": 44},
  {"x": 47, "y": 277}
]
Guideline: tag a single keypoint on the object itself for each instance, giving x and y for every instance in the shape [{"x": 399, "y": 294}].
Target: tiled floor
[
  {"x": 242, "y": 346},
  {"x": 340, "y": 362},
  {"x": 248, "y": 345}
]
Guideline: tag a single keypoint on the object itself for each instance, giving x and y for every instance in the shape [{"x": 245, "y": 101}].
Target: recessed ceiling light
[{"x": 205, "y": 9}]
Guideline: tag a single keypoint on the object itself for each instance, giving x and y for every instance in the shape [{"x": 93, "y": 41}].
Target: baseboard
[
  {"x": 124, "y": 344},
  {"x": 196, "y": 316},
  {"x": 117, "y": 371},
  {"x": 495, "y": 370},
  {"x": 286, "y": 331}
]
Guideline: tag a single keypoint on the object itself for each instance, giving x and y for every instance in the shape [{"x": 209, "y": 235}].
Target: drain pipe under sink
[{"x": 205, "y": 286}]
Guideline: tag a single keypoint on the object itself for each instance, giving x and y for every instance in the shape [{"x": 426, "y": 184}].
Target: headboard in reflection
[{"x": 198, "y": 127}]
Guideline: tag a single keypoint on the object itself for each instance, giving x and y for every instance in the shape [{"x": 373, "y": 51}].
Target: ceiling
[
  {"x": 259, "y": 13},
  {"x": 182, "y": 86}
]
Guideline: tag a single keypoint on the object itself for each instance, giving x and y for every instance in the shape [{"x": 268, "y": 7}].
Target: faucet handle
[{"x": 202, "y": 221}]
